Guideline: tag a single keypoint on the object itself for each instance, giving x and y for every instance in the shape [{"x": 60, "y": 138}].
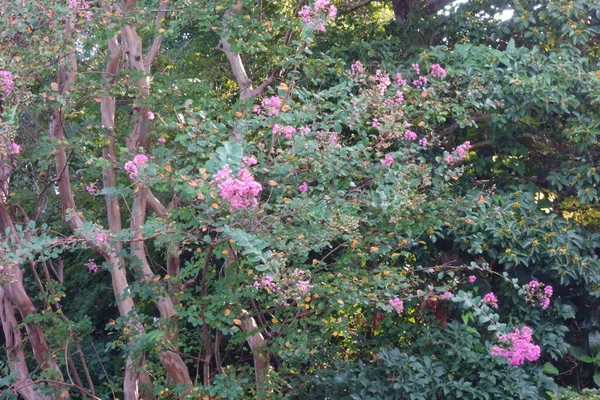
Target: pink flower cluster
[
  {"x": 268, "y": 283},
  {"x": 399, "y": 80},
  {"x": 423, "y": 142},
  {"x": 491, "y": 300},
  {"x": 357, "y": 68},
  {"x": 287, "y": 131},
  {"x": 519, "y": 348},
  {"x": 472, "y": 278},
  {"x": 437, "y": 71},
  {"x": 535, "y": 290},
  {"x": 6, "y": 81},
  {"x": 132, "y": 167},
  {"x": 420, "y": 82},
  {"x": 303, "y": 188},
  {"x": 74, "y": 4},
  {"x": 416, "y": 68},
  {"x": 382, "y": 79},
  {"x": 241, "y": 192},
  {"x": 271, "y": 104},
  {"x": 397, "y": 305},
  {"x": 316, "y": 16},
  {"x": 410, "y": 135},
  {"x": 446, "y": 295},
  {"x": 249, "y": 161},
  {"x": 91, "y": 188},
  {"x": 387, "y": 161},
  {"x": 91, "y": 265},
  {"x": 101, "y": 238},
  {"x": 460, "y": 153},
  {"x": 15, "y": 148}
]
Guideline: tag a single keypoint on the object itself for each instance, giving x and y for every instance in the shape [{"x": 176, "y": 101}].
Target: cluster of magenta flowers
[
  {"x": 316, "y": 16},
  {"x": 460, "y": 153},
  {"x": 241, "y": 191},
  {"x": 491, "y": 300},
  {"x": 291, "y": 284},
  {"x": 91, "y": 266},
  {"x": 269, "y": 105},
  {"x": 397, "y": 304},
  {"x": 133, "y": 166},
  {"x": 517, "y": 347},
  {"x": 536, "y": 291},
  {"x": 6, "y": 81},
  {"x": 288, "y": 131}
]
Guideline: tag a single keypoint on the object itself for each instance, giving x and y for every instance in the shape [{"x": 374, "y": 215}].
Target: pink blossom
[
  {"x": 535, "y": 290},
  {"x": 249, "y": 161},
  {"x": 101, "y": 238},
  {"x": 16, "y": 149},
  {"x": 303, "y": 286},
  {"x": 268, "y": 283},
  {"x": 387, "y": 161},
  {"x": 287, "y": 131},
  {"x": 299, "y": 272},
  {"x": 306, "y": 15},
  {"x": 375, "y": 123},
  {"x": 437, "y": 71},
  {"x": 423, "y": 142},
  {"x": 491, "y": 300},
  {"x": 132, "y": 169},
  {"x": 399, "y": 98},
  {"x": 399, "y": 80},
  {"x": 519, "y": 348},
  {"x": 91, "y": 188},
  {"x": 446, "y": 295},
  {"x": 332, "y": 11},
  {"x": 334, "y": 138},
  {"x": 397, "y": 305},
  {"x": 357, "y": 68},
  {"x": 6, "y": 81},
  {"x": 383, "y": 81},
  {"x": 303, "y": 188},
  {"x": 257, "y": 109},
  {"x": 410, "y": 135},
  {"x": 472, "y": 278},
  {"x": 416, "y": 68},
  {"x": 150, "y": 115},
  {"x": 305, "y": 130},
  {"x": 449, "y": 159},
  {"x": 140, "y": 160},
  {"x": 162, "y": 140},
  {"x": 241, "y": 192},
  {"x": 462, "y": 151},
  {"x": 420, "y": 82},
  {"x": 320, "y": 5},
  {"x": 91, "y": 266},
  {"x": 272, "y": 105}
]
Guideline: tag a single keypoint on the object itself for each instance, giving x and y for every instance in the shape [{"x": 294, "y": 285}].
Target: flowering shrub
[
  {"x": 241, "y": 192},
  {"x": 519, "y": 347}
]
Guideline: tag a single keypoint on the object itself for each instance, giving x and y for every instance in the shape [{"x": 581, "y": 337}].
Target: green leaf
[
  {"x": 550, "y": 369},
  {"x": 229, "y": 153}
]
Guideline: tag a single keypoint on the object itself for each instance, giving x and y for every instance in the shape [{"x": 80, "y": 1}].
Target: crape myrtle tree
[{"x": 298, "y": 199}]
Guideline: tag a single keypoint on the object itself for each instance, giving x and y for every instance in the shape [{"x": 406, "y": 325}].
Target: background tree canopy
[{"x": 295, "y": 199}]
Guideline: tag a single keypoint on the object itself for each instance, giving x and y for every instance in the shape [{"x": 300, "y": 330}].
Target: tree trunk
[{"x": 14, "y": 352}]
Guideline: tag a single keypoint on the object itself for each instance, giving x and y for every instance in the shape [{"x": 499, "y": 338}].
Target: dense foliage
[{"x": 244, "y": 199}]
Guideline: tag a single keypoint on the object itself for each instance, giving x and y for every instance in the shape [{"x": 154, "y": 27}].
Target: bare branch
[{"x": 348, "y": 8}]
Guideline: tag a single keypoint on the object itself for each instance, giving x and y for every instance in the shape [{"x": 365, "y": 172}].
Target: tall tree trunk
[{"x": 14, "y": 352}]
